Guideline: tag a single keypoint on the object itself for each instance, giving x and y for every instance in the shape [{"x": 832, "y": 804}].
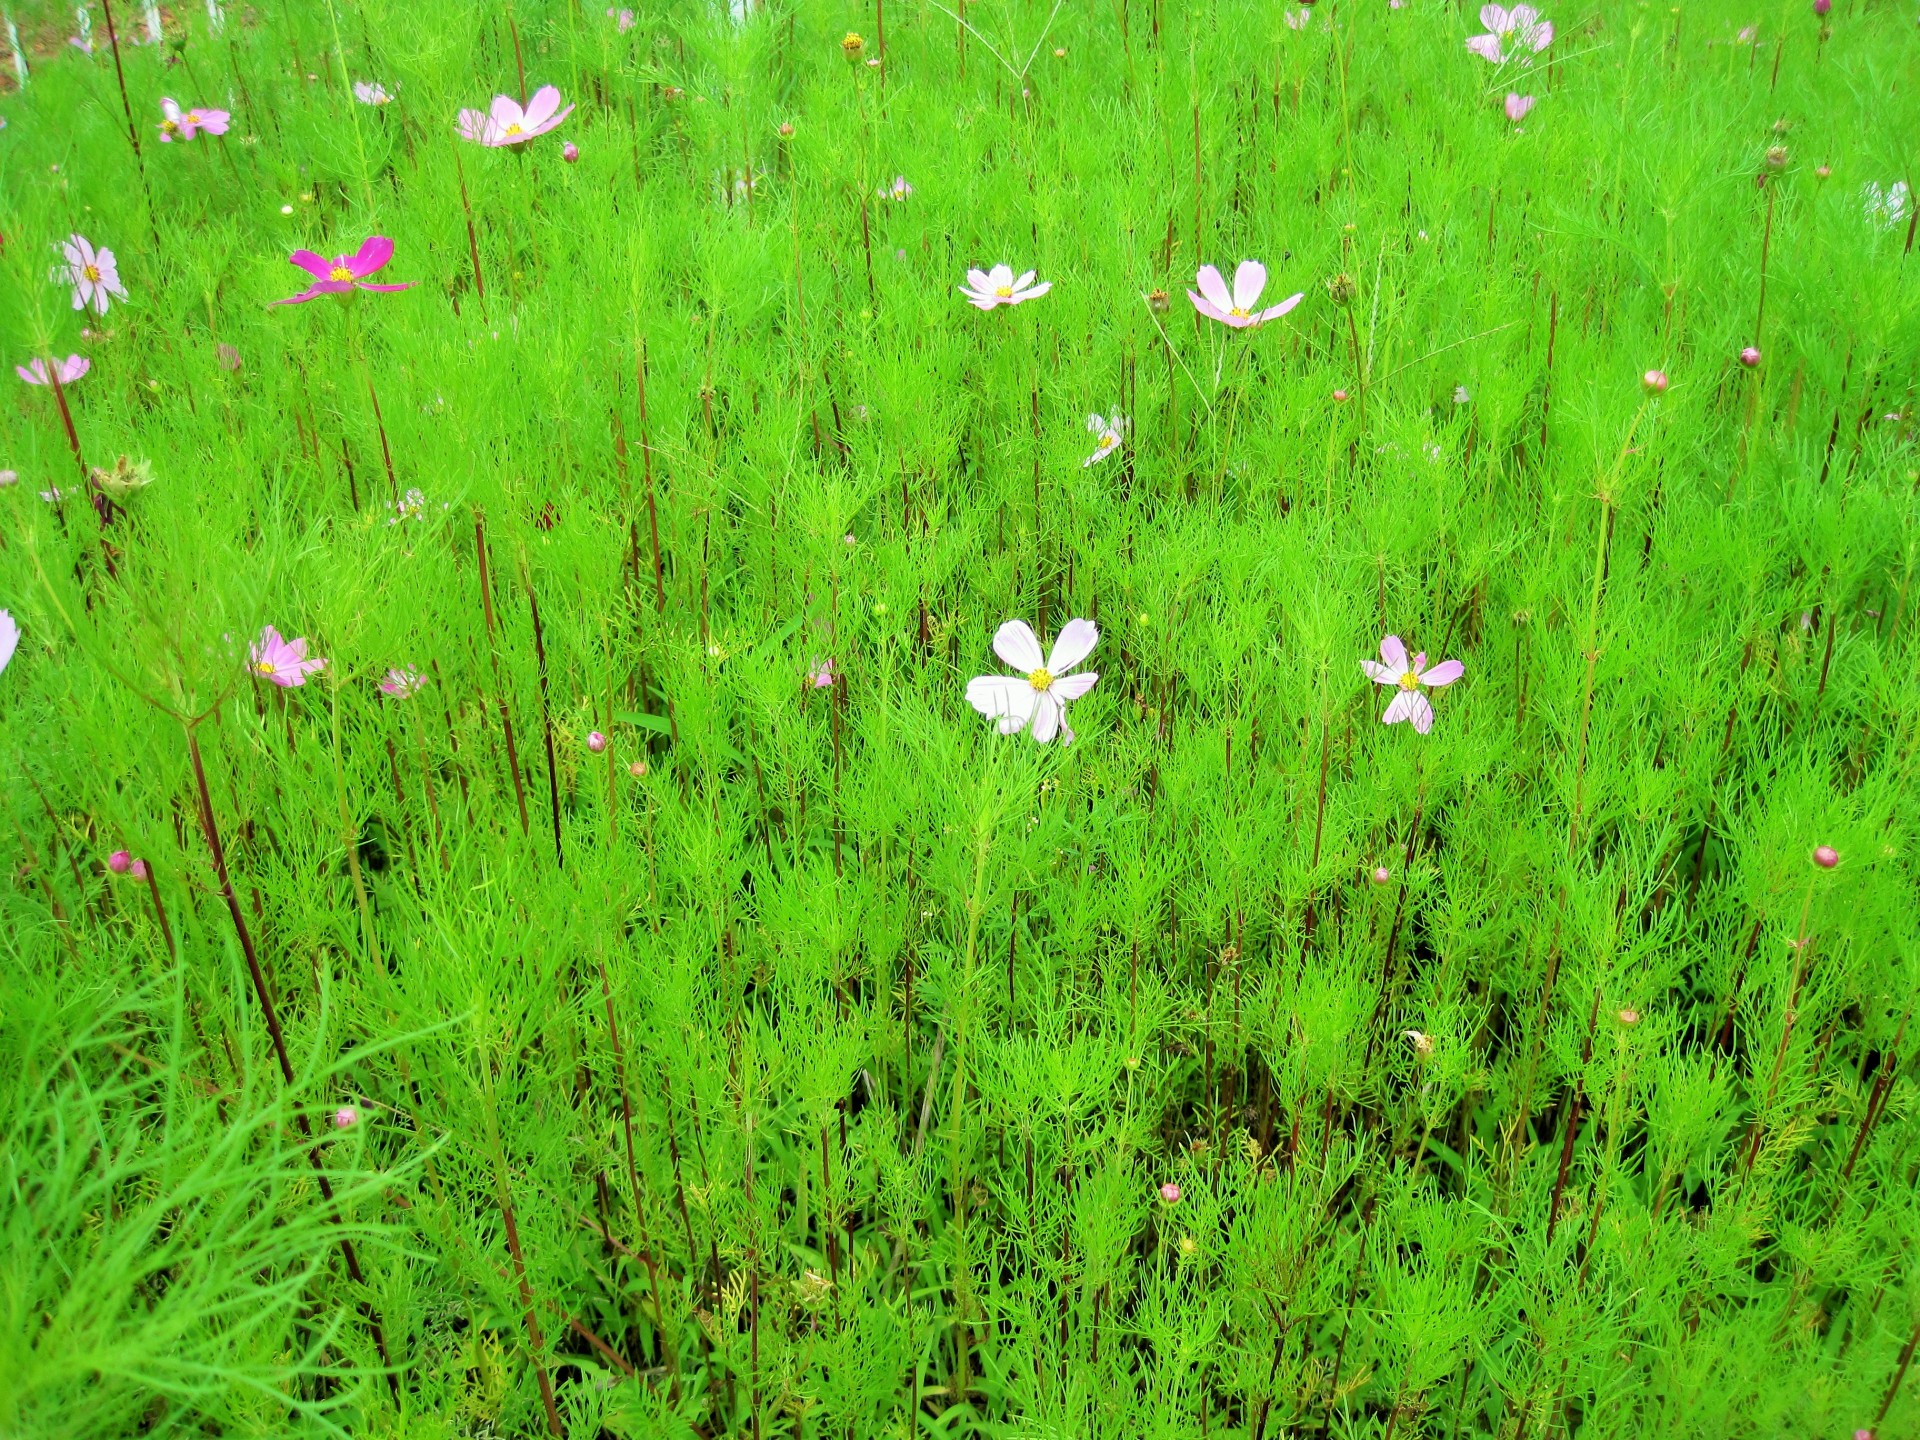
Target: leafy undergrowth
[{"x": 635, "y": 986}]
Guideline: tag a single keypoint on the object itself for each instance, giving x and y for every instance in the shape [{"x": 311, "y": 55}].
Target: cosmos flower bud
[
  {"x": 1655, "y": 382},
  {"x": 786, "y": 129},
  {"x": 1821, "y": 172},
  {"x": 596, "y": 742},
  {"x": 1823, "y": 8},
  {"x": 570, "y": 152},
  {"x": 1776, "y": 158},
  {"x": 1341, "y": 396},
  {"x": 637, "y": 769},
  {"x": 1629, "y": 1017},
  {"x": 1826, "y": 857},
  {"x": 345, "y": 1118},
  {"x": 1341, "y": 289},
  {"x": 1381, "y": 875},
  {"x": 120, "y": 862},
  {"x": 1170, "y": 1193},
  {"x": 1189, "y": 1247},
  {"x": 1750, "y": 356}
]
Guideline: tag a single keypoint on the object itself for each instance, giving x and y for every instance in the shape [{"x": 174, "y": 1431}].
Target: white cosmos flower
[
  {"x": 989, "y": 288},
  {"x": 1885, "y": 207},
  {"x": 1039, "y": 694},
  {"x": 1110, "y": 433}
]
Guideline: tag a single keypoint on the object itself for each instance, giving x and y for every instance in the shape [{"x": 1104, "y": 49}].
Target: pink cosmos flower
[
  {"x": 506, "y": 123},
  {"x": 1039, "y": 695},
  {"x": 1408, "y": 676},
  {"x": 228, "y": 357},
  {"x": 898, "y": 190},
  {"x": 1236, "y": 308},
  {"x": 821, "y": 674},
  {"x": 402, "y": 682},
  {"x": 345, "y": 273},
  {"x": 176, "y": 123},
  {"x": 622, "y": 19},
  {"x": 1521, "y": 25},
  {"x": 9, "y": 638},
  {"x": 1518, "y": 106},
  {"x": 92, "y": 273},
  {"x": 284, "y": 662},
  {"x": 371, "y": 92},
  {"x": 66, "y": 371},
  {"x": 986, "y": 289}
]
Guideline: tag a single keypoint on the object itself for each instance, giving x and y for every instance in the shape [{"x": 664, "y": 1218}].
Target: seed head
[
  {"x": 1341, "y": 290},
  {"x": 786, "y": 129},
  {"x": 1776, "y": 158},
  {"x": 1158, "y": 303},
  {"x": 637, "y": 769},
  {"x": 1422, "y": 1044},
  {"x": 1629, "y": 1017}
]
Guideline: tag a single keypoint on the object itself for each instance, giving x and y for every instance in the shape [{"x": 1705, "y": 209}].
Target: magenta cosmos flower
[
  {"x": 66, "y": 371},
  {"x": 178, "y": 124},
  {"x": 92, "y": 273},
  {"x": 1408, "y": 676},
  {"x": 1516, "y": 34},
  {"x": 284, "y": 662},
  {"x": 1236, "y": 307},
  {"x": 343, "y": 274},
  {"x": 506, "y": 123},
  {"x": 987, "y": 288},
  {"x": 1039, "y": 695}
]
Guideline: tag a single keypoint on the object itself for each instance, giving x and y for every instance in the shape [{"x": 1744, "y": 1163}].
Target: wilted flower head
[
  {"x": 1110, "y": 431},
  {"x": 35, "y": 372},
  {"x": 989, "y": 288},
  {"x": 343, "y": 274},
  {"x": 1408, "y": 676},
  {"x": 124, "y": 478},
  {"x": 1038, "y": 696},
  {"x": 1237, "y": 307},
  {"x": 284, "y": 662},
  {"x": 1518, "y": 106},
  {"x": 91, "y": 272},
  {"x": 1885, "y": 207},
  {"x": 178, "y": 124},
  {"x": 1516, "y": 34},
  {"x": 1422, "y": 1044},
  {"x": 506, "y": 123},
  {"x": 403, "y": 682},
  {"x": 371, "y": 92}
]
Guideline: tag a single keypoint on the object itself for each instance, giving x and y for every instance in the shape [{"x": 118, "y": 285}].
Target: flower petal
[
  {"x": 1400, "y": 707},
  {"x": 1422, "y": 711},
  {"x": 505, "y": 111},
  {"x": 9, "y": 638},
  {"x": 1380, "y": 674},
  {"x": 1000, "y": 275},
  {"x": 542, "y": 107},
  {"x": 1207, "y": 308},
  {"x": 1248, "y": 281},
  {"x": 1002, "y": 697},
  {"x": 1072, "y": 687},
  {"x": 1445, "y": 673},
  {"x": 317, "y": 266},
  {"x": 1214, "y": 288},
  {"x": 1072, "y": 645},
  {"x": 1486, "y": 46},
  {"x": 1015, "y": 643},
  {"x": 1494, "y": 17},
  {"x": 1394, "y": 652},
  {"x": 1047, "y": 715},
  {"x": 375, "y": 251},
  {"x": 1274, "y": 312},
  {"x": 1025, "y": 279},
  {"x": 1035, "y": 293}
]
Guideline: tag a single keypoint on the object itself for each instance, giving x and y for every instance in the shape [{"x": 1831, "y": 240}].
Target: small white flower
[
  {"x": 987, "y": 289},
  {"x": 1039, "y": 695},
  {"x": 1109, "y": 432},
  {"x": 371, "y": 92},
  {"x": 898, "y": 190},
  {"x": 1885, "y": 207},
  {"x": 1460, "y": 395}
]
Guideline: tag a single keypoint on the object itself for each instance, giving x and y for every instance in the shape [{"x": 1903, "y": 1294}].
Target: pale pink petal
[
  {"x": 1248, "y": 281},
  {"x": 1072, "y": 687},
  {"x": 1035, "y": 293},
  {"x": 984, "y": 302},
  {"x": 472, "y": 125},
  {"x": 1445, "y": 673},
  {"x": 1002, "y": 697},
  {"x": 1025, "y": 280},
  {"x": 1394, "y": 652},
  {"x": 1274, "y": 312},
  {"x": 1072, "y": 645},
  {"x": 1539, "y": 36},
  {"x": 541, "y": 108},
  {"x": 1494, "y": 17},
  {"x": 1380, "y": 674},
  {"x": 505, "y": 111},
  {"x": 214, "y": 122},
  {"x": 1046, "y": 718},
  {"x": 1210, "y": 310},
  {"x": 1215, "y": 289},
  {"x": 1422, "y": 711},
  {"x": 1486, "y": 46},
  {"x": 1000, "y": 276},
  {"x": 1015, "y": 643},
  {"x": 1400, "y": 707}
]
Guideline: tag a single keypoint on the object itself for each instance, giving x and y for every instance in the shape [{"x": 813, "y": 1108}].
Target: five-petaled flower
[
  {"x": 1516, "y": 34},
  {"x": 1407, "y": 676},
  {"x": 178, "y": 124},
  {"x": 988, "y": 288},
  {"x": 1110, "y": 431},
  {"x": 370, "y": 92},
  {"x": 403, "y": 682},
  {"x": 66, "y": 371},
  {"x": 343, "y": 274},
  {"x": 284, "y": 662},
  {"x": 1237, "y": 307},
  {"x": 92, "y": 273},
  {"x": 1039, "y": 695},
  {"x": 506, "y": 123}
]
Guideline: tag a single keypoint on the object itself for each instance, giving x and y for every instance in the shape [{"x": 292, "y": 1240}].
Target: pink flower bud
[
  {"x": 120, "y": 862},
  {"x": 1340, "y": 395},
  {"x": 1826, "y": 857},
  {"x": 570, "y": 152},
  {"x": 345, "y": 1118},
  {"x": 1822, "y": 7},
  {"x": 1381, "y": 875},
  {"x": 1750, "y": 356},
  {"x": 1170, "y": 1193},
  {"x": 139, "y": 870},
  {"x": 1655, "y": 382},
  {"x": 596, "y": 742}
]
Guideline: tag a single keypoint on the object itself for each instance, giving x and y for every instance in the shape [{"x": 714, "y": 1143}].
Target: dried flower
[
  {"x": 124, "y": 478},
  {"x": 1422, "y": 1044}
]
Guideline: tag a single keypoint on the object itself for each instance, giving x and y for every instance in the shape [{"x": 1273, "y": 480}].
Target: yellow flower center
[
  {"x": 1409, "y": 681},
  {"x": 1005, "y": 292},
  {"x": 513, "y": 129},
  {"x": 92, "y": 272},
  {"x": 1109, "y": 440},
  {"x": 1041, "y": 681},
  {"x": 340, "y": 272},
  {"x": 265, "y": 667},
  {"x": 170, "y": 126},
  {"x": 1237, "y": 313}
]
